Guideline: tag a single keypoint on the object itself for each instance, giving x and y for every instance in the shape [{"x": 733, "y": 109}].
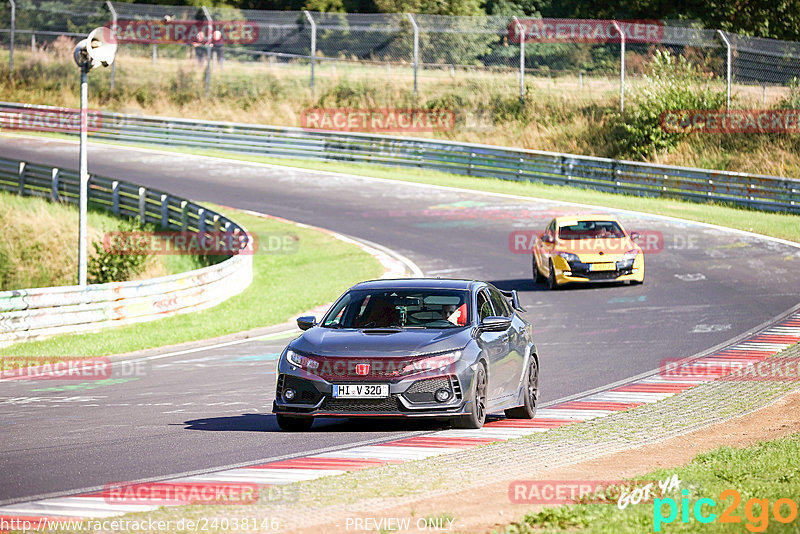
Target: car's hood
[{"x": 409, "y": 342}]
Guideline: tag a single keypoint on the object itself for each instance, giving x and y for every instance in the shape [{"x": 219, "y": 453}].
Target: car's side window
[
  {"x": 484, "y": 306},
  {"x": 500, "y": 303}
]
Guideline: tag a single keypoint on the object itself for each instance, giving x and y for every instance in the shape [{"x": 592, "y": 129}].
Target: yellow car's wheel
[
  {"x": 551, "y": 278},
  {"x": 537, "y": 275}
]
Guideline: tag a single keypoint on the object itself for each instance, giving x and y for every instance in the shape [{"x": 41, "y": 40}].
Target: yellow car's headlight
[{"x": 569, "y": 257}]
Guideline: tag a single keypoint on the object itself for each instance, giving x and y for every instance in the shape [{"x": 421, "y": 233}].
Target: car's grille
[
  {"x": 336, "y": 368},
  {"x": 389, "y": 404},
  {"x": 306, "y": 392},
  {"x": 582, "y": 270},
  {"x": 600, "y": 275},
  {"x": 429, "y": 385},
  {"x": 423, "y": 390}
]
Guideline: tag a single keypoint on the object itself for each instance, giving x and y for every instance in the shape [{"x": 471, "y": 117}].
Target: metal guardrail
[
  {"x": 27, "y": 314},
  {"x": 617, "y": 176}
]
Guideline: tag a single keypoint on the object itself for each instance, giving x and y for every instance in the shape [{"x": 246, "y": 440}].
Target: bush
[
  {"x": 673, "y": 83},
  {"x": 108, "y": 266}
]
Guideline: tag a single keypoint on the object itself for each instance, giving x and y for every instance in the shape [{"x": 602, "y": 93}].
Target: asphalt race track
[{"x": 210, "y": 408}]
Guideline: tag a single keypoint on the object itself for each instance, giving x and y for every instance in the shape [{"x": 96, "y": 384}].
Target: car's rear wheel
[
  {"x": 477, "y": 410},
  {"x": 531, "y": 400},
  {"x": 537, "y": 275},
  {"x": 294, "y": 424},
  {"x": 551, "y": 278}
]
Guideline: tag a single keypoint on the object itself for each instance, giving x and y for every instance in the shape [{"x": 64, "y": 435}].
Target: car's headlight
[
  {"x": 435, "y": 362},
  {"x": 629, "y": 257},
  {"x": 304, "y": 362},
  {"x": 631, "y": 254},
  {"x": 570, "y": 258}
]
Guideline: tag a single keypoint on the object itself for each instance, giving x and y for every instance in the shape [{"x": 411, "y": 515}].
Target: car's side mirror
[
  {"x": 547, "y": 239},
  {"x": 635, "y": 235},
  {"x": 306, "y": 322},
  {"x": 495, "y": 324}
]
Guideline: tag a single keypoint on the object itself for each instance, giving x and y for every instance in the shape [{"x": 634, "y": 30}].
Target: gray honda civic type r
[{"x": 445, "y": 349}]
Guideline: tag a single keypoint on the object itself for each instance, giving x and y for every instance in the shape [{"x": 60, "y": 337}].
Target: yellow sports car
[{"x": 587, "y": 248}]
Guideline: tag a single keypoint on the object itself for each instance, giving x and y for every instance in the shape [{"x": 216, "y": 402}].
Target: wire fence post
[
  {"x": 416, "y": 49},
  {"x": 521, "y": 36},
  {"x": 728, "y": 61},
  {"x": 114, "y": 32},
  {"x": 210, "y": 28},
  {"x": 313, "y": 44},
  {"x": 11, "y": 43},
  {"x": 621, "y": 66}
]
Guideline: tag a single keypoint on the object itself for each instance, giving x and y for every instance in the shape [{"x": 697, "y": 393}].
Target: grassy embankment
[
  {"x": 284, "y": 284},
  {"x": 39, "y": 240},
  {"x": 560, "y": 114}
]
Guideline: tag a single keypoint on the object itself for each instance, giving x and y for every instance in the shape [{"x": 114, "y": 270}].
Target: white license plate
[
  {"x": 361, "y": 391},
  {"x": 602, "y": 266}
]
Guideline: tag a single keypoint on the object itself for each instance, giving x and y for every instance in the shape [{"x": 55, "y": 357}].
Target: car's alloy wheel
[
  {"x": 537, "y": 276},
  {"x": 531, "y": 399},
  {"x": 294, "y": 424},
  {"x": 551, "y": 278},
  {"x": 477, "y": 410}
]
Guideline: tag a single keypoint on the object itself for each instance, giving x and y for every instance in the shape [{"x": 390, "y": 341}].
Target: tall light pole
[
  {"x": 11, "y": 43},
  {"x": 99, "y": 48}
]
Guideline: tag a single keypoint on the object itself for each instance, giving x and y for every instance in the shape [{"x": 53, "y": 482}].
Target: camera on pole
[{"x": 99, "y": 48}]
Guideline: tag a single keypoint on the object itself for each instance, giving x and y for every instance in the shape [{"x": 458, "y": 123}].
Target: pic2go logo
[{"x": 756, "y": 511}]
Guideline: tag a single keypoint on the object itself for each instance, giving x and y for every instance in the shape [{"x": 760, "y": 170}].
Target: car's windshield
[
  {"x": 590, "y": 230},
  {"x": 404, "y": 308}
]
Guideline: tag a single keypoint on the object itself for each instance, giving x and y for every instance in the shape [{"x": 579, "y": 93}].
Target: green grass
[
  {"x": 768, "y": 470},
  {"x": 283, "y": 285}
]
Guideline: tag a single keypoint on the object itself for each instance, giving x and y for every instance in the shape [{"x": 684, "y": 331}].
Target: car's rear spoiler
[{"x": 514, "y": 299}]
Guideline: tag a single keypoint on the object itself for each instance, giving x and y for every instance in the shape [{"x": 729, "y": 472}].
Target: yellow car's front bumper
[{"x": 564, "y": 273}]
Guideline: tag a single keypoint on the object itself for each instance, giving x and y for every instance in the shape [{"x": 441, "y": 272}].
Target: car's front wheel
[
  {"x": 294, "y": 424},
  {"x": 477, "y": 410},
  {"x": 537, "y": 275},
  {"x": 531, "y": 399},
  {"x": 551, "y": 278}
]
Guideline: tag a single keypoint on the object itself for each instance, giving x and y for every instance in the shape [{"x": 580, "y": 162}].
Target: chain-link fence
[{"x": 593, "y": 57}]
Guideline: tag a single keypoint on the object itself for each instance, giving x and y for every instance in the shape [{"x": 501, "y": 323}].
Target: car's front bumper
[
  {"x": 410, "y": 397},
  {"x": 581, "y": 272}
]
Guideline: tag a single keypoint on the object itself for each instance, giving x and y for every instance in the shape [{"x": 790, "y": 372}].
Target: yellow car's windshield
[{"x": 590, "y": 230}]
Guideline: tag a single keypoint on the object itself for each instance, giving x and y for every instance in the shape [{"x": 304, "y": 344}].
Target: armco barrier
[
  {"x": 603, "y": 174},
  {"x": 27, "y": 314}
]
